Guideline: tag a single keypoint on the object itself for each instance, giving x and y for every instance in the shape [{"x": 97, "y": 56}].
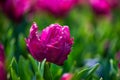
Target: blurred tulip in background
[
  {"x": 2, "y": 54},
  {"x": 58, "y": 8},
  {"x": 3, "y": 75},
  {"x": 16, "y": 9},
  {"x": 100, "y": 6}
]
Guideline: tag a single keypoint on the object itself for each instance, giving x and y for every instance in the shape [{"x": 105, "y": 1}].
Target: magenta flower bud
[
  {"x": 57, "y": 7},
  {"x": 53, "y": 43},
  {"x": 66, "y": 76},
  {"x": 100, "y": 7},
  {"x": 15, "y": 9},
  {"x": 2, "y": 56},
  {"x": 3, "y": 75}
]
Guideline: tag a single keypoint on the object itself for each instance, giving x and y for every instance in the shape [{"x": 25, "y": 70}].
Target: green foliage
[{"x": 85, "y": 73}]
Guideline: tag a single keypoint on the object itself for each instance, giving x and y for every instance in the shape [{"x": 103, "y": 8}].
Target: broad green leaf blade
[
  {"x": 113, "y": 71},
  {"x": 38, "y": 76},
  {"x": 93, "y": 69},
  {"x": 85, "y": 73},
  {"x": 36, "y": 68},
  {"x": 22, "y": 42},
  {"x": 25, "y": 72},
  {"x": 10, "y": 52},
  {"x": 14, "y": 75},
  {"x": 33, "y": 62},
  {"x": 13, "y": 65},
  {"x": 80, "y": 74},
  {"x": 47, "y": 72}
]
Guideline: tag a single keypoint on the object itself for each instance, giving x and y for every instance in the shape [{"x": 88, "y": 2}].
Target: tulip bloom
[
  {"x": 15, "y": 9},
  {"x": 53, "y": 43},
  {"x": 114, "y": 3},
  {"x": 119, "y": 65},
  {"x": 2, "y": 56},
  {"x": 66, "y": 76},
  {"x": 100, "y": 6},
  {"x": 57, "y": 7},
  {"x": 3, "y": 75}
]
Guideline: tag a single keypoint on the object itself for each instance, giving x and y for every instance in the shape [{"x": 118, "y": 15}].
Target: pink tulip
[
  {"x": 3, "y": 75},
  {"x": 15, "y": 9},
  {"x": 100, "y": 6},
  {"x": 114, "y": 3},
  {"x": 53, "y": 43},
  {"x": 57, "y": 7}
]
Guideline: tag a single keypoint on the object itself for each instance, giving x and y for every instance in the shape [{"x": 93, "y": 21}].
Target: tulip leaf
[
  {"x": 24, "y": 69},
  {"x": 22, "y": 43},
  {"x": 33, "y": 62},
  {"x": 14, "y": 75},
  {"x": 47, "y": 72},
  {"x": 38, "y": 76},
  {"x": 35, "y": 67},
  {"x": 80, "y": 74},
  {"x": 92, "y": 70},
  {"x": 85, "y": 73},
  {"x": 10, "y": 52},
  {"x": 112, "y": 71},
  {"x": 9, "y": 33},
  {"x": 14, "y": 65},
  {"x": 42, "y": 67},
  {"x": 56, "y": 71}
]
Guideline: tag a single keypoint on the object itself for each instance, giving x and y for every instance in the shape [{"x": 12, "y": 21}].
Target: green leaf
[
  {"x": 38, "y": 76},
  {"x": 35, "y": 67},
  {"x": 22, "y": 42},
  {"x": 112, "y": 71},
  {"x": 92, "y": 70},
  {"x": 85, "y": 73},
  {"x": 13, "y": 65},
  {"x": 9, "y": 33},
  {"x": 47, "y": 72},
  {"x": 56, "y": 71},
  {"x": 14, "y": 75},
  {"x": 33, "y": 62},
  {"x": 42, "y": 67},
  {"x": 10, "y": 52},
  {"x": 25, "y": 72},
  {"x": 80, "y": 74}
]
